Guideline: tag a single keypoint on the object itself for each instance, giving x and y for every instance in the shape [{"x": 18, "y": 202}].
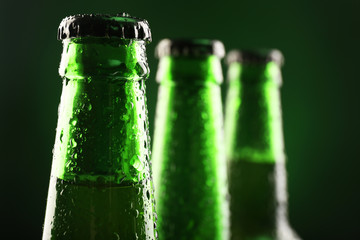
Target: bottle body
[
  {"x": 101, "y": 186},
  {"x": 255, "y": 153},
  {"x": 188, "y": 158}
]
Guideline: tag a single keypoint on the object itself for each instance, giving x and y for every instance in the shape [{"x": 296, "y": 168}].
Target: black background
[{"x": 320, "y": 96}]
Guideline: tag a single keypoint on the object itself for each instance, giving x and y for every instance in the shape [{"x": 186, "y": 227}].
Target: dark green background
[{"x": 320, "y": 41}]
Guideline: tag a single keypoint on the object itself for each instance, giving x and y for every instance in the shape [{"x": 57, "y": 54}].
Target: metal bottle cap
[
  {"x": 259, "y": 56},
  {"x": 189, "y": 47},
  {"x": 101, "y": 25}
]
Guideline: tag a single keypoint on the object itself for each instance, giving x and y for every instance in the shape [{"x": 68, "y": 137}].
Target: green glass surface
[
  {"x": 188, "y": 156},
  {"x": 101, "y": 185},
  {"x": 255, "y": 153}
]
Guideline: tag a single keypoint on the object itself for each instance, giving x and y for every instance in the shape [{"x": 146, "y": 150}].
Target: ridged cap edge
[
  {"x": 103, "y": 25},
  {"x": 189, "y": 48},
  {"x": 259, "y": 56}
]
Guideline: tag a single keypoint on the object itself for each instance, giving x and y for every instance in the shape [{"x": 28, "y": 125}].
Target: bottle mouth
[
  {"x": 120, "y": 25},
  {"x": 255, "y": 56},
  {"x": 183, "y": 47}
]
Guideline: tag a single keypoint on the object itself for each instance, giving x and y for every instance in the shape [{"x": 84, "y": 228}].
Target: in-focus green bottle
[
  {"x": 101, "y": 185},
  {"x": 255, "y": 147},
  {"x": 188, "y": 157}
]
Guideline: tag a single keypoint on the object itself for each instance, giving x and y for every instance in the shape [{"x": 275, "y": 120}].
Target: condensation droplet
[
  {"x": 125, "y": 117},
  {"x": 73, "y": 122},
  {"x": 129, "y": 105},
  {"x": 204, "y": 115},
  {"x": 68, "y": 163},
  {"x": 73, "y": 143},
  {"x": 61, "y": 135}
]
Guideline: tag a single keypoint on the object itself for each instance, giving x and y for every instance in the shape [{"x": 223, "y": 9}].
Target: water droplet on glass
[
  {"x": 174, "y": 115},
  {"x": 66, "y": 79},
  {"x": 136, "y": 163},
  {"x": 73, "y": 122},
  {"x": 76, "y": 178},
  {"x": 68, "y": 163},
  {"x": 73, "y": 143},
  {"x": 125, "y": 117},
  {"x": 61, "y": 135},
  {"x": 204, "y": 115},
  {"x": 129, "y": 105}
]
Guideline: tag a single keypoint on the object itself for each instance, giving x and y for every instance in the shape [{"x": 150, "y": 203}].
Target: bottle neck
[
  {"x": 189, "y": 71},
  {"x": 189, "y": 105},
  {"x": 102, "y": 133},
  {"x": 253, "y": 113},
  {"x": 188, "y": 149},
  {"x": 103, "y": 57},
  {"x": 189, "y": 109}
]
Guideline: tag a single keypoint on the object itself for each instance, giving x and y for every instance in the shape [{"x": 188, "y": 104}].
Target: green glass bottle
[
  {"x": 255, "y": 147},
  {"x": 188, "y": 155},
  {"x": 101, "y": 185}
]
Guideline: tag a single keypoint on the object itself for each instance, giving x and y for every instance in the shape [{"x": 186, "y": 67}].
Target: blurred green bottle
[
  {"x": 255, "y": 147},
  {"x": 188, "y": 156},
  {"x": 101, "y": 185}
]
